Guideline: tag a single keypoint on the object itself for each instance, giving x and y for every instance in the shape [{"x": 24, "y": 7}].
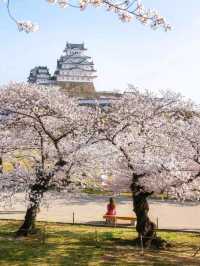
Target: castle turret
[{"x": 40, "y": 75}]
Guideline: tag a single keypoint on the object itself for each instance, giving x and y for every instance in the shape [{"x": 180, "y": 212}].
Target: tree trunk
[
  {"x": 28, "y": 225},
  {"x": 1, "y": 165},
  {"x": 35, "y": 197},
  {"x": 145, "y": 227},
  {"x": 36, "y": 194}
]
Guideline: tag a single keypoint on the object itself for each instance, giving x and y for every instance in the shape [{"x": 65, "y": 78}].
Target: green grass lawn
[{"x": 84, "y": 245}]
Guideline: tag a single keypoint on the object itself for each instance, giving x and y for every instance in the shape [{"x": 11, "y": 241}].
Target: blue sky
[{"x": 123, "y": 53}]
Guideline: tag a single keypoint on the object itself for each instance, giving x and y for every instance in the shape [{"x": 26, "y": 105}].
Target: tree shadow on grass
[
  {"x": 89, "y": 248},
  {"x": 83, "y": 246},
  {"x": 110, "y": 250},
  {"x": 21, "y": 251},
  {"x": 178, "y": 254},
  {"x": 117, "y": 255}
]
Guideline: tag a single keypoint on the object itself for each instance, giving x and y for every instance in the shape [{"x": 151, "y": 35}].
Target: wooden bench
[{"x": 112, "y": 219}]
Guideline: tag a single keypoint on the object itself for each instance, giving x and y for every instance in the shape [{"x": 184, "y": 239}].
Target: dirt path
[{"x": 91, "y": 208}]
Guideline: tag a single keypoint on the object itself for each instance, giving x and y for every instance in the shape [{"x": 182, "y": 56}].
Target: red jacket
[{"x": 111, "y": 210}]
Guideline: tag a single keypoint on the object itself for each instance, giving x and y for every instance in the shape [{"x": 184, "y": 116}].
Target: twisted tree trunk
[
  {"x": 1, "y": 165},
  {"x": 28, "y": 225},
  {"x": 36, "y": 194},
  {"x": 145, "y": 227}
]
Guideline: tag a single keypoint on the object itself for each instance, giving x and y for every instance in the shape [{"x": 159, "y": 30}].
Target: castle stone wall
[{"x": 77, "y": 87}]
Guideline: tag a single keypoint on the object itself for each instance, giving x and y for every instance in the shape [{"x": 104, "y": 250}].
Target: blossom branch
[{"x": 125, "y": 10}]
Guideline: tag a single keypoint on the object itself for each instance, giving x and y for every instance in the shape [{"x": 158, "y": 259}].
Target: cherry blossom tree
[
  {"x": 48, "y": 129},
  {"x": 143, "y": 151},
  {"x": 126, "y": 10},
  {"x": 143, "y": 142},
  {"x": 185, "y": 136}
]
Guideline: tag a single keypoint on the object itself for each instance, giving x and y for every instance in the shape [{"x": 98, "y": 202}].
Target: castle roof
[
  {"x": 75, "y": 46},
  {"x": 38, "y": 68}
]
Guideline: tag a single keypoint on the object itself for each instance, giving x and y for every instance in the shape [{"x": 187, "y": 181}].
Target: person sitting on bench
[{"x": 111, "y": 210}]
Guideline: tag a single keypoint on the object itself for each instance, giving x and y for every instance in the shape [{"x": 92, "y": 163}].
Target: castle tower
[
  {"x": 75, "y": 71},
  {"x": 40, "y": 75}
]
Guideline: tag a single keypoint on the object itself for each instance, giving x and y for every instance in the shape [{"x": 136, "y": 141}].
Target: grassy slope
[{"x": 77, "y": 245}]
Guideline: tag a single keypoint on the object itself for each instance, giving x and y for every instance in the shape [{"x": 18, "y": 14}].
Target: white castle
[
  {"x": 74, "y": 66},
  {"x": 74, "y": 69}
]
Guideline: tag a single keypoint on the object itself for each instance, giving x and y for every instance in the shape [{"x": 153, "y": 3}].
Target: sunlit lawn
[{"x": 85, "y": 245}]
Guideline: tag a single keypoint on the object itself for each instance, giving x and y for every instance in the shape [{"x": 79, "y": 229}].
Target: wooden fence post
[
  {"x": 142, "y": 247},
  {"x": 96, "y": 236},
  {"x": 44, "y": 235},
  {"x": 157, "y": 222}
]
